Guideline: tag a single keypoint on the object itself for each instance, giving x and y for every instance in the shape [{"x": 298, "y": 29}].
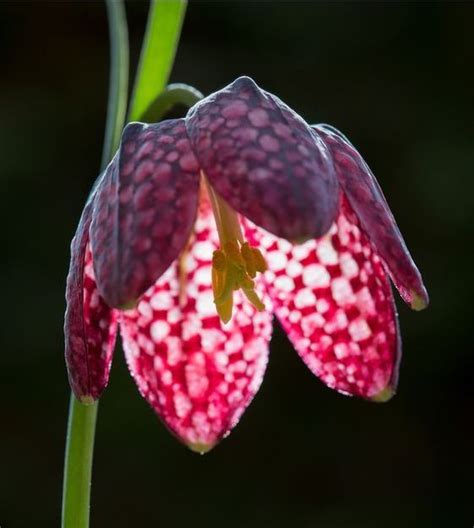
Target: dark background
[{"x": 398, "y": 80}]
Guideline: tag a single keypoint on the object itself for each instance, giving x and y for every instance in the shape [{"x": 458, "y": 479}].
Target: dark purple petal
[
  {"x": 90, "y": 326},
  {"x": 264, "y": 160},
  {"x": 145, "y": 209},
  {"x": 366, "y": 198}
]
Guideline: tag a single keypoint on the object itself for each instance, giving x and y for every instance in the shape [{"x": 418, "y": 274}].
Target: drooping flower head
[{"x": 201, "y": 229}]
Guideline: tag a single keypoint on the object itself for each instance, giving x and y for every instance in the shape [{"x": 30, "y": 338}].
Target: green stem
[
  {"x": 82, "y": 418},
  {"x": 78, "y": 464}
]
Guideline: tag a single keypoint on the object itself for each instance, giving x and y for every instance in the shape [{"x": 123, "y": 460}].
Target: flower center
[{"x": 235, "y": 264}]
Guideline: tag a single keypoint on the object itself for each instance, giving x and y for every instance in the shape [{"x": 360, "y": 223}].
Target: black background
[{"x": 398, "y": 80}]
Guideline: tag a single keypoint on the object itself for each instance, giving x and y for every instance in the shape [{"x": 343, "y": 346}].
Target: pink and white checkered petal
[
  {"x": 90, "y": 325},
  {"x": 367, "y": 199},
  {"x": 198, "y": 374},
  {"x": 144, "y": 210},
  {"x": 334, "y": 300},
  {"x": 265, "y": 161}
]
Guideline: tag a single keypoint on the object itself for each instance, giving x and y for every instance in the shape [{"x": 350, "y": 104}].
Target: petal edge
[
  {"x": 89, "y": 325},
  {"x": 368, "y": 201}
]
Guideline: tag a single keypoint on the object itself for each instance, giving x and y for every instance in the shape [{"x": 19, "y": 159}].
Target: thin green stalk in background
[
  {"x": 158, "y": 50},
  {"x": 82, "y": 418},
  {"x": 118, "y": 80}
]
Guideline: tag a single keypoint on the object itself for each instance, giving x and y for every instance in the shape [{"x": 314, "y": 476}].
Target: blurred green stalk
[{"x": 160, "y": 43}]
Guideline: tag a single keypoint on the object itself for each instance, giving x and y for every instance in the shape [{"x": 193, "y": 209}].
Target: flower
[{"x": 202, "y": 228}]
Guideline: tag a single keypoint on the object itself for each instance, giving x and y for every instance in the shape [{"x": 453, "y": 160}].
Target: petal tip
[
  {"x": 384, "y": 395},
  {"x": 419, "y": 301},
  {"x": 244, "y": 82},
  {"x": 87, "y": 399},
  {"x": 201, "y": 448}
]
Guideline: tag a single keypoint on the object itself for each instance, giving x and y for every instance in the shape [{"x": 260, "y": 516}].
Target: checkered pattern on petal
[
  {"x": 90, "y": 325},
  {"x": 145, "y": 208},
  {"x": 334, "y": 299},
  {"x": 264, "y": 160},
  {"x": 198, "y": 374}
]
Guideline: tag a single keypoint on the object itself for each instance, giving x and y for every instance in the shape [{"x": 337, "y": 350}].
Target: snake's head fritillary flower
[{"x": 201, "y": 229}]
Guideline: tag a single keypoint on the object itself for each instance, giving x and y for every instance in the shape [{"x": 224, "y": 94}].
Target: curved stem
[
  {"x": 172, "y": 95},
  {"x": 82, "y": 418},
  {"x": 78, "y": 464}
]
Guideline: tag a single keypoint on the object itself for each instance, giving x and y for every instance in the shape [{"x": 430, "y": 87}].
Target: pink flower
[{"x": 201, "y": 229}]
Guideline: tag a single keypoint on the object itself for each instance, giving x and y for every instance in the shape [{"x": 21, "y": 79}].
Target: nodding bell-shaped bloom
[{"x": 200, "y": 229}]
